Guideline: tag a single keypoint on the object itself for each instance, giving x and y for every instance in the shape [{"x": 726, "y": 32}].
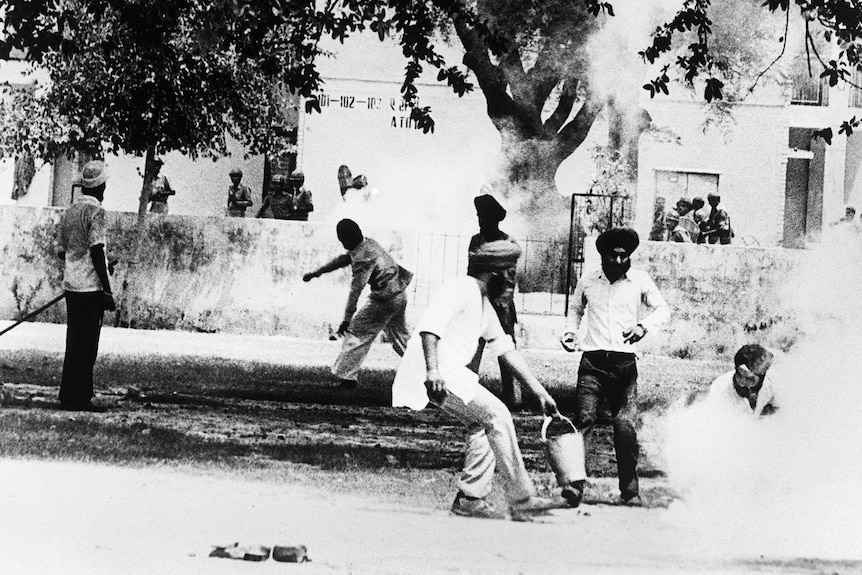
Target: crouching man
[
  {"x": 434, "y": 368},
  {"x": 748, "y": 389}
]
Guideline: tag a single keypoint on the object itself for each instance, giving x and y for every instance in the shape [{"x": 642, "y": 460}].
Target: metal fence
[
  {"x": 548, "y": 269},
  {"x": 541, "y": 270}
]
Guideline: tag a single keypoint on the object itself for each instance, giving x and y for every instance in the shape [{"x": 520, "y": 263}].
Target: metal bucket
[{"x": 565, "y": 451}]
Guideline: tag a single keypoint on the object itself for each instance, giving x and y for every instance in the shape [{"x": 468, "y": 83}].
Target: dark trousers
[
  {"x": 84, "y": 324},
  {"x": 613, "y": 377},
  {"x": 511, "y": 389},
  {"x": 510, "y": 392}
]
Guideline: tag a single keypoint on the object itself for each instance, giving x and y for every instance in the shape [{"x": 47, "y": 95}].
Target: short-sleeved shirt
[
  {"x": 81, "y": 227},
  {"x": 459, "y": 315}
]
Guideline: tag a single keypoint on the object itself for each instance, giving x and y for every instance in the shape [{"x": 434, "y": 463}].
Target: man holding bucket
[
  {"x": 613, "y": 300},
  {"x": 435, "y": 369}
]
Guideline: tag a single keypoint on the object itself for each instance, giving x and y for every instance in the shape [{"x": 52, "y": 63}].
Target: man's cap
[
  {"x": 278, "y": 179},
  {"x": 235, "y": 172},
  {"x": 158, "y": 161},
  {"x": 487, "y": 205},
  {"x": 696, "y": 200},
  {"x": 625, "y": 238},
  {"x": 494, "y": 256},
  {"x": 684, "y": 202},
  {"x": 297, "y": 175},
  {"x": 93, "y": 175},
  {"x": 711, "y": 196}
]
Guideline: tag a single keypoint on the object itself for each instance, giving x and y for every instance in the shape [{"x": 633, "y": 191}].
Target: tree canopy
[{"x": 153, "y": 76}]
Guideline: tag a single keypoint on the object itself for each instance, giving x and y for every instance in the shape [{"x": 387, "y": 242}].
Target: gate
[
  {"x": 591, "y": 214},
  {"x": 548, "y": 269}
]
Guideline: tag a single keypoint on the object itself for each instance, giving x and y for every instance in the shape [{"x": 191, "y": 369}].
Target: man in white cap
[
  {"x": 81, "y": 242},
  {"x": 238, "y": 195},
  {"x": 435, "y": 370},
  {"x": 613, "y": 299}
]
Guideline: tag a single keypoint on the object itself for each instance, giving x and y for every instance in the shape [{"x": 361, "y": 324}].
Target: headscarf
[
  {"x": 487, "y": 205},
  {"x": 494, "y": 256}
]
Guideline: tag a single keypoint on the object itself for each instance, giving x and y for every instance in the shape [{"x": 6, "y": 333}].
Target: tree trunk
[
  {"x": 528, "y": 169},
  {"x": 133, "y": 279}
]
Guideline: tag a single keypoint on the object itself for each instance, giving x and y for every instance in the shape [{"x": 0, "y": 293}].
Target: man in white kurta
[
  {"x": 748, "y": 390},
  {"x": 434, "y": 369}
]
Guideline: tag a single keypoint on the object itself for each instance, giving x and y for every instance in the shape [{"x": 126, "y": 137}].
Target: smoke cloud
[{"x": 787, "y": 484}]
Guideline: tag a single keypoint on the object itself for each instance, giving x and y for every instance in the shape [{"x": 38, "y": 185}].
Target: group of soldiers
[
  {"x": 613, "y": 308},
  {"x": 286, "y": 198},
  {"x": 686, "y": 223}
]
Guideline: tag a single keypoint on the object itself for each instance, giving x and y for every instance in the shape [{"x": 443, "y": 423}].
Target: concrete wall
[
  {"x": 204, "y": 274},
  {"x": 244, "y": 276}
]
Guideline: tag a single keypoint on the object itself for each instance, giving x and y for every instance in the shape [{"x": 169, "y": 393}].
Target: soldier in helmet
[
  {"x": 276, "y": 200},
  {"x": 160, "y": 189},
  {"x": 238, "y": 195},
  {"x": 300, "y": 198}
]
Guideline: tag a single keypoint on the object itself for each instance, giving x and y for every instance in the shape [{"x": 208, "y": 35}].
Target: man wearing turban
[
  {"x": 435, "y": 370},
  {"x": 621, "y": 305},
  {"x": 490, "y": 213}
]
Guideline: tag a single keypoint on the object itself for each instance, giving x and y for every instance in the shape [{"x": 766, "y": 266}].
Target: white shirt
[
  {"x": 723, "y": 395},
  {"x": 459, "y": 315},
  {"x": 612, "y": 308},
  {"x": 81, "y": 227}
]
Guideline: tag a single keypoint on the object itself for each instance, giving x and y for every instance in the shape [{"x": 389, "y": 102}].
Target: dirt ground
[{"x": 60, "y": 516}]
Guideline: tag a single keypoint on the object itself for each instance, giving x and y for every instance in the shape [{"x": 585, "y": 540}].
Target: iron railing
[
  {"x": 548, "y": 269},
  {"x": 541, "y": 270}
]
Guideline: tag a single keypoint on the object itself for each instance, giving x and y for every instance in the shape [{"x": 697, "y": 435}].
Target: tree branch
[
  {"x": 777, "y": 58},
  {"x": 575, "y": 132},
  {"x": 568, "y": 97},
  {"x": 489, "y": 76}
]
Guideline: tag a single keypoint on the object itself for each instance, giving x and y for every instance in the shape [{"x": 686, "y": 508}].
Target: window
[
  {"x": 673, "y": 185},
  {"x": 856, "y": 92}
]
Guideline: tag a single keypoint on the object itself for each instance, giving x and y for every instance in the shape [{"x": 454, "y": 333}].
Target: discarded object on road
[
  {"x": 564, "y": 451},
  {"x": 33, "y": 314},
  {"x": 290, "y": 553},
  {"x": 245, "y": 552}
]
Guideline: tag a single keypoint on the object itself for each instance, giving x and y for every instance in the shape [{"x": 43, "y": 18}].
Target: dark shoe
[
  {"x": 530, "y": 507},
  {"x": 630, "y": 499},
  {"x": 347, "y": 384},
  {"x": 573, "y": 493},
  {"x": 473, "y": 507}
]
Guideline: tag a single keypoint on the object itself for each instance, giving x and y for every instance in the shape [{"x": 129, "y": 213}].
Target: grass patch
[{"x": 291, "y": 423}]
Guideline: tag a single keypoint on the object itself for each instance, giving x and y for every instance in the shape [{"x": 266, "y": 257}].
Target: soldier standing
[
  {"x": 238, "y": 195},
  {"x": 300, "y": 198},
  {"x": 160, "y": 190}
]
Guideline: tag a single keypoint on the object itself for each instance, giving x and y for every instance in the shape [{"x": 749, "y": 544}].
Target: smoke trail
[{"x": 788, "y": 484}]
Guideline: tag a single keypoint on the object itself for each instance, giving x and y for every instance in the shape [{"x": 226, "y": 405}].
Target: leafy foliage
[
  {"x": 150, "y": 76},
  {"x": 824, "y": 21}
]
